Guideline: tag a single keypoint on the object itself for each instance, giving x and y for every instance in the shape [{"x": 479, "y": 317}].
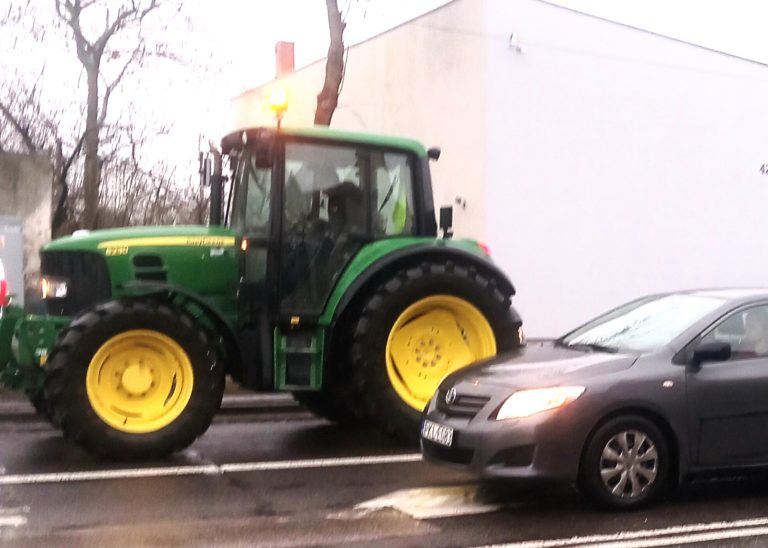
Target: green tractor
[{"x": 321, "y": 274}]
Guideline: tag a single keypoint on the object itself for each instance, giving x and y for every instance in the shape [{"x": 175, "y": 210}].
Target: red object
[
  {"x": 4, "y": 301},
  {"x": 485, "y": 248},
  {"x": 283, "y": 58}
]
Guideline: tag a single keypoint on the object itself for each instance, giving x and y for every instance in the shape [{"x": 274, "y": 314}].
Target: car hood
[{"x": 543, "y": 364}]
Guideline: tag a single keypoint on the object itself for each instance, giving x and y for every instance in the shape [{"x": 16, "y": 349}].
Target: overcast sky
[{"x": 733, "y": 26}]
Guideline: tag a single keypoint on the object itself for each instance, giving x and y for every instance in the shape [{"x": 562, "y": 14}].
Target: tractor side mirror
[
  {"x": 433, "y": 153},
  {"x": 446, "y": 221},
  {"x": 711, "y": 352}
]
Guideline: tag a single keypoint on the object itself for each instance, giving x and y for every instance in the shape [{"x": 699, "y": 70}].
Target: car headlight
[
  {"x": 529, "y": 402},
  {"x": 53, "y": 288}
]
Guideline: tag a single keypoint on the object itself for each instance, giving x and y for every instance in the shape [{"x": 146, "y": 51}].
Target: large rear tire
[
  {"x": 37, "y": 398},
  {"x": 417, "y": 327},
  {"x": 326, "y": 404},
  {"x": 133, "y": 380}
]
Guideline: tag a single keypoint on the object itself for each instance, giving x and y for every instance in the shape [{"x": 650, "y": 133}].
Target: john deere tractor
[{"x": 321, "y": 274}]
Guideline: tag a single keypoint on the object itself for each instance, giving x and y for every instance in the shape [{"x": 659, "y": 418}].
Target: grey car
[{"x": 625, "y": 406}]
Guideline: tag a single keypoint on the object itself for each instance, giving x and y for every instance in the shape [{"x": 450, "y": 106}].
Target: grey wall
[
  {"x": 25, "y": 194},
  {"x": 12, "y": 256},
  {"x": 619, "y": 163}
]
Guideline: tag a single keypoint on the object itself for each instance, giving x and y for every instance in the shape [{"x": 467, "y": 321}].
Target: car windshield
[{"x": 643, "y": 325}]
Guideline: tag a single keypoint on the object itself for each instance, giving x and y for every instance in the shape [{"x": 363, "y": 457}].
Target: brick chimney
[{"x": 283, "y": 58}]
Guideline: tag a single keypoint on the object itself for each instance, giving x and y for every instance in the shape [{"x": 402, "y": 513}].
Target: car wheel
[{"x": 626, "y": 463}]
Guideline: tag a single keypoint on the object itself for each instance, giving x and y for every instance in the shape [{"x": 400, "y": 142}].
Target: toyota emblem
[{"x": 450, "y": 397}]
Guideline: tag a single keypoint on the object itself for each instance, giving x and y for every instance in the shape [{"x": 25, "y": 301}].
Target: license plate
[{"x": 437, "y": 433}]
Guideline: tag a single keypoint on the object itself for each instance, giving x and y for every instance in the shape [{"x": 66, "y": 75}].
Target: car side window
[{"x": 746, "y": 331}]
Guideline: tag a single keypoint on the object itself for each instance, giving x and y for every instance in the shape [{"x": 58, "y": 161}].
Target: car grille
[
  {"x": 87, "y": 279},
  {"x": 463, "y": 406}
]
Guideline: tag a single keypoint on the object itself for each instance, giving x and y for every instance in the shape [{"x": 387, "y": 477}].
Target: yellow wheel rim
[
  {"x": 432, "y": 338},
  {"x": 139, "y": 381}
]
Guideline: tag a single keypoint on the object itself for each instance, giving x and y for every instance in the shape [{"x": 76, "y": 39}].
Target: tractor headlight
[
  {"x": 529, "y": 402},
  {"x": 53, "y": 288}
]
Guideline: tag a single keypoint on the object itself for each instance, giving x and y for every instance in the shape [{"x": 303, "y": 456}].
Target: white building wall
[{"x": 618, "y": 163}]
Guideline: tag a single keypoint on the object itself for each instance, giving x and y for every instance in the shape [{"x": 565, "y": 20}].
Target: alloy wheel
[{"x": 629, "y": 464}]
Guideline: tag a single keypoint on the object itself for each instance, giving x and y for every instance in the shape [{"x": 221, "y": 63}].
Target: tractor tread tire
[
  {"x": 325, "y": 404},
  {"x": 368, "y": 384},
  {"x": 65, "y": 386}
]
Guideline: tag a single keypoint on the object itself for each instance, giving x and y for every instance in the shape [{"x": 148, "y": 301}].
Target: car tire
[
  {"x": 133, "y": 380},
  {"x": 626, "y": 464},
  {"x": 479, "y": 309}
]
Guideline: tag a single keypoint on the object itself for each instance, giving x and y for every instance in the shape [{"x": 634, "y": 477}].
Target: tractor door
[
  {"x": 255, "y": 217},
  {"x": 325, "y": 222}
]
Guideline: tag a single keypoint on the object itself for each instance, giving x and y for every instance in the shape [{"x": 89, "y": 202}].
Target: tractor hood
[{"x": 122, "y": 238}]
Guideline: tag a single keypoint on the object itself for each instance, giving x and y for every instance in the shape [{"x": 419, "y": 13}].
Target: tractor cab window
[
  {"x": 253, "y": 188},
  {"x": 325, "y": 221},
  {"x": 393, "y": 213}
]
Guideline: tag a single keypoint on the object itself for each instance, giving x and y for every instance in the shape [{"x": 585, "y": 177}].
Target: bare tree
[
  {"x": 91, "y": 54},
  {"x": 328, "y": 98}
]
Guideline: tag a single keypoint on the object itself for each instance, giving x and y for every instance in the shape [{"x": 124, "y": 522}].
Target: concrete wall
[
  {"x": 618, "y": 163},
  {"x": 418, "y": 80},
  {"x": 25, "y": 194}
]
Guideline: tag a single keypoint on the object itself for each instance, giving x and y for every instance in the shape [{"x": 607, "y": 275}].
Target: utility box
[{"x": 12, "y": 255}]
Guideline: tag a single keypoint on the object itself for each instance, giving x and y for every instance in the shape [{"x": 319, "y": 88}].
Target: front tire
[
  {"x": 133, "y": 380},
  {"x": 626, "y": 464},
  {"x": 416, "y": 328}
]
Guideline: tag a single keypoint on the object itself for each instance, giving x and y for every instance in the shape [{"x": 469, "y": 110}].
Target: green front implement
[{"x": 25, "y": 343}]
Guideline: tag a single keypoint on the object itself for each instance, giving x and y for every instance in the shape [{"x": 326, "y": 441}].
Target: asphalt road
[{"x": 272, "y": 475}]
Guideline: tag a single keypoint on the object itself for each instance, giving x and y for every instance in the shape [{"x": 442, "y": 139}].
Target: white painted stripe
[
  {"x": 319, "y": 463},
  {"x": 431, "y": 502},
  {"x": 12, "y": 521},
  {"x": 677, "y": 540},
  {"x": 206, "y": 469},
  {"x": 627, "y": 536}
]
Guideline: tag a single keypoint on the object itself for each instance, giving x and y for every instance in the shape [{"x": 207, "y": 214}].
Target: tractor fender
[
  {"x": 414, "y": 255},
  {"x": 222, "y": 326}
]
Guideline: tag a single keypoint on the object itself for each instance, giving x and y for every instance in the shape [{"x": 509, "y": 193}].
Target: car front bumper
[{"x": 546, "y": 446}]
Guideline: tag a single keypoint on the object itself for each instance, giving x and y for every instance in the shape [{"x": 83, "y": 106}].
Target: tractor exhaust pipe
[{"x": 216, "y": 186}]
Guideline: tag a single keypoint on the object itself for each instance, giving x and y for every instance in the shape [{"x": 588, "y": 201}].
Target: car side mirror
[{"x": 711, "y": 352}]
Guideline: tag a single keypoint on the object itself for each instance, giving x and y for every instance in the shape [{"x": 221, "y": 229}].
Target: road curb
[{"x": 17, "y": 408}]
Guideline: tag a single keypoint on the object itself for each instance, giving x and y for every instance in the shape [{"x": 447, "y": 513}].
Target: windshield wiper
[{"x": 595, "y": 347}]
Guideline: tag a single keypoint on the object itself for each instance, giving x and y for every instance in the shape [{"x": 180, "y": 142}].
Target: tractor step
[{"x": 299, "y": 358}]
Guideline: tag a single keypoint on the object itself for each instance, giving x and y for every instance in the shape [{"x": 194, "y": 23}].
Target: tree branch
[
  {"x": 328, "y": 98},
  {"x": 24, "y": 133}
]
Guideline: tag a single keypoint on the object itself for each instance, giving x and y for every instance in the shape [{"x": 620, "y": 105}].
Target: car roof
[{"x": 728, "y": 293}]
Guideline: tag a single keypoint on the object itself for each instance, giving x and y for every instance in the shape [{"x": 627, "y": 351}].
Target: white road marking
[
  {"x": 432, "y": 502},
  {"x": 677, "y": 534},
  {"x": 677, "y": 540},
  {"x": 12, "y": 521},
  {"x": 206, "y": 469}
]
